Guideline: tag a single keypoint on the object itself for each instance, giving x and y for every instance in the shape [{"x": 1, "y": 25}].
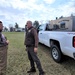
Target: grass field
[{"x": 18, "y": 63}]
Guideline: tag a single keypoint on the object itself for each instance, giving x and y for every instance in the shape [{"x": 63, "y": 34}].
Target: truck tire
[{"x": 56, "y": 53}]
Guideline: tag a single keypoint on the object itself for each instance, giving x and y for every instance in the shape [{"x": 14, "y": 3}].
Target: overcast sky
[{"x": 20, "y": 11}]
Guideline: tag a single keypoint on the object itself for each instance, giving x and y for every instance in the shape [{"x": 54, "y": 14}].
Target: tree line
[{"x": 16, "y": 26}]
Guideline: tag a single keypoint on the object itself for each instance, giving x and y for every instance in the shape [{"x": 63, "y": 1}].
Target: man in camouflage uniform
[
  {"x": 31, "y": 42},
  {"x": 3, "y": 51}
]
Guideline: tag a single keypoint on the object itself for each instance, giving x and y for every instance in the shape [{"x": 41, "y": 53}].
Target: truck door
[
  {"x": 40, "y": 35},
  {"x": 46, "y": 36}
]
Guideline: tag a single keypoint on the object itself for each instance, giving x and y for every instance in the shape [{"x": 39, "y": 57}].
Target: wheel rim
[{"x": 55, "y": 53}]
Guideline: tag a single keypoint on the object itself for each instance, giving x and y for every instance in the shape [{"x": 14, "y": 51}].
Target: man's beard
[{"x": 0, "y": 30}]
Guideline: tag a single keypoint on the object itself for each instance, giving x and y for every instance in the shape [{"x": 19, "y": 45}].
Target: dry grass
[{"x": 18, "y": 62}]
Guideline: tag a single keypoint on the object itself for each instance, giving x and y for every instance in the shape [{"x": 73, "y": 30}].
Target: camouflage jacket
[{"x": 2, "y": 40}]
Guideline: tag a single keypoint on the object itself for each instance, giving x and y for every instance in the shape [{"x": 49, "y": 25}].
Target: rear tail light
[{"x": 74, "y": 41}]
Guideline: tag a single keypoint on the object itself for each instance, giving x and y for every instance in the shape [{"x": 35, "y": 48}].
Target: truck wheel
[{"x": 56, "y": 53}]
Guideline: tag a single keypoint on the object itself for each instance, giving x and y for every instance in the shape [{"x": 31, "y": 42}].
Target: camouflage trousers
[{"x": 3, "y": 60}]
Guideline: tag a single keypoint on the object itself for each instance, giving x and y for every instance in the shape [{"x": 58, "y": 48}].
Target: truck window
[
  {"x": 41, "y": 27},
  {"x": 47, "y": 27}
]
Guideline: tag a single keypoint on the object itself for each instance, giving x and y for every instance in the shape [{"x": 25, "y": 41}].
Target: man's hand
[
  {"x": 7, "y": 41},
  {"x": 35, "y": 50}
]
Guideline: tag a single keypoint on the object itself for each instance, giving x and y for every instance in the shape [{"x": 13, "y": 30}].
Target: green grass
[{"x": 18, "y": 63}]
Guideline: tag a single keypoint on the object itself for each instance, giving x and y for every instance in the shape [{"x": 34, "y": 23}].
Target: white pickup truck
[{"x": 60, "y": 42}]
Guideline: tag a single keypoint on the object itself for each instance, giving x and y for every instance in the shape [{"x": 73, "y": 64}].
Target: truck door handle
[{"x": 40, "y": 33}]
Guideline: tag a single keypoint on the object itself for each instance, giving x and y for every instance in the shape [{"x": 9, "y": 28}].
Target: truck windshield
[{"x": 41, "y": 27}]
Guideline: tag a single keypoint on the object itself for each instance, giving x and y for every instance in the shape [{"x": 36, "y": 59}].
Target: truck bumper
[{"x": 69, "y": 51}]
